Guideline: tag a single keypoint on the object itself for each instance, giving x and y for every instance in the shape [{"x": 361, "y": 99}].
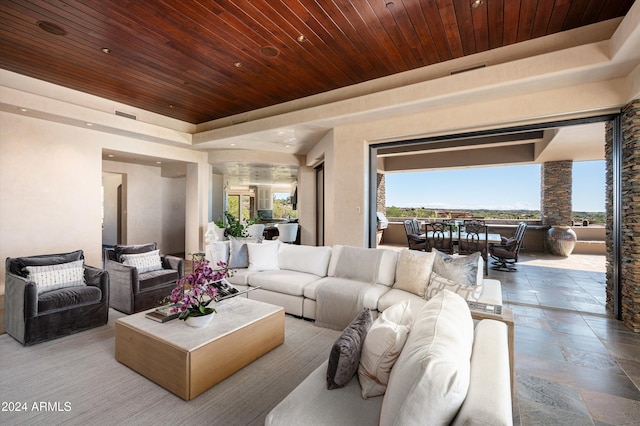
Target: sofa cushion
[
  {"x": 395, "y": 295},
  {"x": 17, "y": 265},
  {"x": 461, "y": 269},
  {"x": 309, "y": 259},
  {"x": 70, "y": 296},
  {"x": 158, "y": 278},
  {"x": 345, "y": 353},
  {"x": 489, "y": 370},
  {"x": 143, "y": 262},
  {"x": 381, "y": 348},
  {"x": 52, "y": 277},
  {"x": 355, "y": 263},
  {"x": 370, "y": 295},
  {"x": 430, "y": 379},
  {"x": 133, "y": 249},
  {"x": 413, "y": 271},
  {"x": 240, "y": 276},
  {"x": 310, "y": 403},
  {"x": 263, "y": 256},
  {"x": 438, "y": 283},
  {"x": 281, "y": 281},
  {"x": 239, "y": 253}
]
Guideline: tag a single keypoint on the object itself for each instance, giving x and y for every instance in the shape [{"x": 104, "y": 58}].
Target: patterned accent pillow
[
  {"x": 143, "y": 262},
  {"x": 53, "y": 277},
  {"x": 345, "y": 353},
  {"x": 439, "y": 283}
]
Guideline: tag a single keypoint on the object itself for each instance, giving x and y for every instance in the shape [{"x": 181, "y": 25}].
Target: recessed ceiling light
[
  {"x": 158, "y": 162},
  {"x": 232, "y": 144},
  {"x": 110, "y": 155},
  {"x": 89, "y": 124},
  {"x": 237, "y": 64},
  {"x": 24, "y": 109},
  {"x": 106, "y": 50},
  {"x": 301, "y": 38},
  {"x": 288, "y": 146},
  {"x": 477, "y": 3},
  {"x": 171, "y": 106},
  {"x": 51, "y": 28},
  {"x": 269, "y": 51}
]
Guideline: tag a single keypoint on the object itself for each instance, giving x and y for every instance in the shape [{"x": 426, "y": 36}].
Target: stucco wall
[
  {"x": 156, "y": 206},
  {"x": 50, "y": 190}
]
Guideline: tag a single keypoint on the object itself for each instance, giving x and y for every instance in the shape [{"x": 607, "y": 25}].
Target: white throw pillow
[
  {"x": 430, "y": 379},
  {"x": 143, "y": 262},
  {"x": 381, "y": 348},
  {"x": 52, "y": 277},
  {"x": 263, "y": 256},
  {"x": 413, "y": 271},
  {"x": 438, "y": 283},
  {"x": 217, "y": 251}
]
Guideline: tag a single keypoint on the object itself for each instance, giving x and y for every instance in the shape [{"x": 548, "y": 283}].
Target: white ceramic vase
[{"x": 199, "y": 321}]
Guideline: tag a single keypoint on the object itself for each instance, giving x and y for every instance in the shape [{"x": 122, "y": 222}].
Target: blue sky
[{"x": 496, "y": 188}]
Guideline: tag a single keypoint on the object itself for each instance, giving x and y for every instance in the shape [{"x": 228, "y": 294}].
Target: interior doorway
[{"x": 113, "y": 229}]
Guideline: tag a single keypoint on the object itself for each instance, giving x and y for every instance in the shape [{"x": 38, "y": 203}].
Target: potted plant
[
  {"x": 234, "y": 228},
  {"x": 194, "y": 292}
]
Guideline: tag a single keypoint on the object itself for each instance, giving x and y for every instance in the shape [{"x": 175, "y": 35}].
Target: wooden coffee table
[{"x": 187, "y": 361}]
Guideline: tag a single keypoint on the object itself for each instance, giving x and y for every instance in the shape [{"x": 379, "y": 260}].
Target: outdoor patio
[{"x": 575, "y": 365}]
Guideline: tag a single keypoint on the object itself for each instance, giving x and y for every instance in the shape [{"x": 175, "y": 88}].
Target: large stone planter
[{"x": 562, "y": 240}]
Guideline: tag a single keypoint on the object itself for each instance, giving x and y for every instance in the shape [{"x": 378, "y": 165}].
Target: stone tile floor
[{"x": 575, "y": 364}]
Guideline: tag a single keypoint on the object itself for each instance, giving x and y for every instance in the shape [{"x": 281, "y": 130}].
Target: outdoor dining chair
[
  {"x": 474, "y": 239},
  {"x": 415, "y": 241},
  {"x": 439, "y": 235}
]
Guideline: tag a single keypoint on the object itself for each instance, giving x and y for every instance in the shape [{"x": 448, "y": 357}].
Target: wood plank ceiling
[{"x": 199, "y": 60}]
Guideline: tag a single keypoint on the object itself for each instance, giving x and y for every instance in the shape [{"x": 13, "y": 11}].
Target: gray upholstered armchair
[
  {"x": 137, "y": 285},
  {"x": 51, "y": 296}
]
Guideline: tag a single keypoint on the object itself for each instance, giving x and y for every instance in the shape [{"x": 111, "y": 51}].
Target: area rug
[{"x": 76, "y": 380}]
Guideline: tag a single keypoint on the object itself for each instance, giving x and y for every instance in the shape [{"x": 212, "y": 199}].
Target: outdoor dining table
[{"x": 455, "y": 236}]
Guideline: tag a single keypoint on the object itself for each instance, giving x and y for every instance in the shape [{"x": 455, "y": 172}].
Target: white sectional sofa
[
  {"x": 449, "y": 371},
  {"x": 292, "y": 278},
  {"x": 473, "y": 355}
]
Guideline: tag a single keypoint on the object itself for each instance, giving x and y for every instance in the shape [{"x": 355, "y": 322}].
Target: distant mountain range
[{"x": 410, "y": 212}]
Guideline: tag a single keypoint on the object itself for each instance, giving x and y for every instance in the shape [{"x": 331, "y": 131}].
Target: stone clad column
[
  {"x": 381, "y": 194},
  {"x": 556, "y": 208},
  {"x": 630, "y": 244}
]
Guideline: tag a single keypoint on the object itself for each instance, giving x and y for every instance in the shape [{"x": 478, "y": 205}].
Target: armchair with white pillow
[
  {"x": 140, "y": 276},
  {"x": 54, "y": 295}
]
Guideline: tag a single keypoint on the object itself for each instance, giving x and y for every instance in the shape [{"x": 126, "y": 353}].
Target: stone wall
[
  {"x": 556, "y": 182},
  {"x": 630, "y": 244},
  {"x": 381, "y": 198}
]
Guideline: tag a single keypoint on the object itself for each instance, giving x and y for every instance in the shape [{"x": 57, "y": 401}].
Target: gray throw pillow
[
  {"x": 238, "y": 252},
  {"x": 345, "y": 353},
  {"x": 461, "y": 269}
]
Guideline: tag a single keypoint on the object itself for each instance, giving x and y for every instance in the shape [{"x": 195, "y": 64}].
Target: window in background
[
  {"x": 239, "y": 206},
  {"x": 283, "y": 206}
]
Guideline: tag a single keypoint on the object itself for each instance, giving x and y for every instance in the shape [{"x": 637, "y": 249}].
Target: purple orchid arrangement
[{"x": 195, "y": 291}]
